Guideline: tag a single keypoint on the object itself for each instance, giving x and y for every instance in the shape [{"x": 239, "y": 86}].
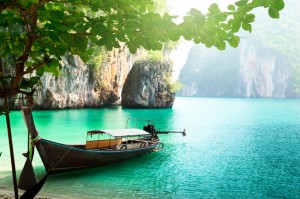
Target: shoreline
[{"x": 6, "y": 194}]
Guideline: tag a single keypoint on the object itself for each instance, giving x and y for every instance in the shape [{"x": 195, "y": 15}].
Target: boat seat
[{"x": 96, "y": 144}]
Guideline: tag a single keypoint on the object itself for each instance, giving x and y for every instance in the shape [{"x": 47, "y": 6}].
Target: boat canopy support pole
[{"x": 11, "y": 148}]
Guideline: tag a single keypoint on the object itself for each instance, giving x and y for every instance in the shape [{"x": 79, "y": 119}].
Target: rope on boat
[
  {"x": 37, "y": 138},
  {"x": 61, "y": 158}
]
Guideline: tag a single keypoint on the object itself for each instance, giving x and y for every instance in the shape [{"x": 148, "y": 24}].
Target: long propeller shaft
[{"x": 167, "y": 132}]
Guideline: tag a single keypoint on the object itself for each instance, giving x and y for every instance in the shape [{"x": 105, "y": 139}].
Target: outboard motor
[{"x": 150, "y": 129}]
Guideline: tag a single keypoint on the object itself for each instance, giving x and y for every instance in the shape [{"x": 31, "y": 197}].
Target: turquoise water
[{"x": 234, "y": 148}]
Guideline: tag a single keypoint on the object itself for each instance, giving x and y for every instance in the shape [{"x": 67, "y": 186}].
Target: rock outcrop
[
  {"x": 79, "y": 86},
  {"x": 147, "y": 87},
  {"x": 263, "y": 72},
  {"x": 251, "y": 70},
  {"x": 266, "y": 63}
]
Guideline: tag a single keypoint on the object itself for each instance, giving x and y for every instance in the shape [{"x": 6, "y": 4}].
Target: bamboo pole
[{"x": 11, "y": 148}]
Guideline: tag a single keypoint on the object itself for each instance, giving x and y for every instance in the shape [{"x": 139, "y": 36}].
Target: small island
[{"x": 148, "y": 86}]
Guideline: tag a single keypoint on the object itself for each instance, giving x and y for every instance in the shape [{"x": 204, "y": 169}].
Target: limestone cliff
[
  {"x": 263, "y": 72},
  {"x": 80, "y": 86},
  {"x": 147, "y": 87},
  {"x": 251, "y": 70},
  {"x": 266, "y": 63}
]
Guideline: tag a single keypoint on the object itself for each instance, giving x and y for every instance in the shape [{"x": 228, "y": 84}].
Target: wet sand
[{"x": 4, "y": 194}]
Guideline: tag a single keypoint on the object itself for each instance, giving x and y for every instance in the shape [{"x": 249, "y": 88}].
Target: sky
[{"x": 180, "y": 8}]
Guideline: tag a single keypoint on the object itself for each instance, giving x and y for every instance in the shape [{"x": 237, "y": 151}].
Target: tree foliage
[{"x": 36, "y": 34}]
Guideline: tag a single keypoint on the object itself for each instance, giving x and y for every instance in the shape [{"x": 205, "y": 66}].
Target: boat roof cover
[{"x": 122, "y": 132}]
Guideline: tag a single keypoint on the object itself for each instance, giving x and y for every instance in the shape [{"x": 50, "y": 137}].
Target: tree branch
[
  {"x": 31, "y": 37},
  {"x": 33, "y": 68},
  {"x": 1, "y": 67},
  {"x": 6, "y": 5},
  {"x": 24, "y": 57}
]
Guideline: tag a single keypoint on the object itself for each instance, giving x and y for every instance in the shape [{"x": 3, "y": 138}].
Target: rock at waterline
[{"x": 147, "y": 86}]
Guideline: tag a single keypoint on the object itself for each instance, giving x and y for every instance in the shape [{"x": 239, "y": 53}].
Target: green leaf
[
  {"x": 98, "y": 28},
  {"x": 208, "y": 45},
  {"x": 197, "y": 40},
  {"x": 116, "y": 44},
  {"x": 221, "y": 45},
  {"x": 231, "y": 7},
  {"x": 53, "y": 63},
  {"x": 53, "y": 68},
  {"x": 241, "y": 3},
  {"x": 158, "y": 46},
  {"x": 193, "y": 12},
  {"x": 68, "y": 39},
  {"x": 90, "y": 51},
  {"x": 18, "y": 21},
  {"x": 249, "y": 18},
  {"x": 247, "y": 26},
  {"x": 234, "y": 42},
  {"x": 121, "y": 35},
  {"x": 28, "y": 63},
  {"x": 278, "y": 4},
  {"x": 19, "y": 47},
  {"x": 49, "y": 26},
  {"x": 40, "y": 72},
  {"x": 174, "y": 36},
  {"x": 35, "y": 54},
  {"x": 225, "y": 26},
  {"x": 207, "y": 41},
  {"x": 93, "y": 38},
  {"x": 132, "y": 46},
  {"x": 222, "y": 34},
  {"x": 54, "y": 36},
  {"x": 273, "y": 12},
  {"x": 81, "y": 43},
  {"x": 235, "y": 25},
  {"x": 29, "y": 83},
  {"x": 214, "y": 8},
  {"x": 34, "y": 80}
]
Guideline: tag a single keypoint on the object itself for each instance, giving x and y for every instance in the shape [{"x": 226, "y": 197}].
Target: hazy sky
[{"x": 180, "y": 8}]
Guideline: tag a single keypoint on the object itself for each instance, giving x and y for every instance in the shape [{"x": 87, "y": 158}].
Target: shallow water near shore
[{"x": 234, "y": 148}]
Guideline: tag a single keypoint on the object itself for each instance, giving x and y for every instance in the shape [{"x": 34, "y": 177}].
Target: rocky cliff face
[
  {"x": 251, "y": 70},
  {"x": 263, "y": 72},
  {"x": 146, "y": 86},
  {"x": 80, "y": 86}
]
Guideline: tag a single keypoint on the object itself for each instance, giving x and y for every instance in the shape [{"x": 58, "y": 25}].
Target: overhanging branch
[
  {"x": 37, "y": 66},
  {"x": 1, "y": 67}
]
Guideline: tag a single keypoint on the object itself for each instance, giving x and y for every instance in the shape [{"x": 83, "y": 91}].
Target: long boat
[
  {"x": 115, "y": 146},
  {"x": 102, "y": 147}
]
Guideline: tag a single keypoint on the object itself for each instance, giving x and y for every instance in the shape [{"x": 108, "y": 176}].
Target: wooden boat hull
[{"x": 58, "y": 157}]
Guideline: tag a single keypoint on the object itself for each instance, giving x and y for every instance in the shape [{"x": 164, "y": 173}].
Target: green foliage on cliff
[
  {"x": 34, "y": 35},
  {"x": 97, "y": 58},
  {"x": 174, "y": 86}
]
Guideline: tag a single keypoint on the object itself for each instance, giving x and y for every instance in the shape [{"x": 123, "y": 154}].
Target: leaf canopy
[{"x": 36, "y": 34}]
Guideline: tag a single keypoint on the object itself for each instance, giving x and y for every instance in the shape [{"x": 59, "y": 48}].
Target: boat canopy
[{"x": 118, "y": 133}]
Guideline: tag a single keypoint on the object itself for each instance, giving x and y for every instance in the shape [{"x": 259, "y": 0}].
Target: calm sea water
[{"x": 234, "y": 148}]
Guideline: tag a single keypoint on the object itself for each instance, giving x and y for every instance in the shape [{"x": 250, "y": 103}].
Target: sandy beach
[{"x": 4, "y": 194}]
